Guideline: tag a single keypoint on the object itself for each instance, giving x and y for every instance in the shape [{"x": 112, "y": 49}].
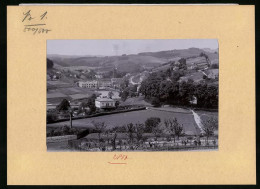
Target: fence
[{"x": 78, "y": 145}]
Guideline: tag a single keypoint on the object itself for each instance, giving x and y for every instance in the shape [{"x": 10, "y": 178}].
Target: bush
[
  {"x": 61, "y": 131},
  {"x": 151, "y": 123},
  {"x": 214, "y": 66},
  {"x": 155, "y": 102},
  {"x": 205, "y": 77},
  {"x": 51, "y": 117}
]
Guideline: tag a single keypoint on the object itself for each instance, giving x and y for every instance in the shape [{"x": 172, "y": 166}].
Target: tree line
[
  {"x": 165, "y": 87},
  {"x": 134, "y": 136}
]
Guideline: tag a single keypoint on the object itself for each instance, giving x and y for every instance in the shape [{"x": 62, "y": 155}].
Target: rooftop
[
  {"x": 104, "y": 100},
  {"x": 92, "y": 81}
]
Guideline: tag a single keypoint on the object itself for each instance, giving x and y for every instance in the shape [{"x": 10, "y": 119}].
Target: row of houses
[
  {"x": 200, "y": 63},
  {"x": 101, "y": 83}
]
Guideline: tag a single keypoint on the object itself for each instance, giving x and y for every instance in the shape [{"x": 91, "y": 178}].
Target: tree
[
  {"x": 209, "y": 126},
  {"x": 176, "y": 76},
  {"x": 139, "y": 131},
  {"x": 63, "y": 106},
  {"x": 130, "y": 132},
  {"x": 186, "y": 92},
  {"x": 151, "y": 123},
  {"x": 117, "y": 103},
  {"x": 166, "y": 88},
  {"x": 125, "y": 83},
  {"x": 91, "y": 74},
  {"x": 110, "y": 94},
  {"x": 155, "y": 102},
  {"x": 49, "y": 64},
  {"x": 88, "y": 103},
  {"x": 124, "y": 94},
  {"x": 214, "y": 66},
  {"x": 202, "y": 54},
  {"x": 174, "y": 128},
  {"x": 51, "y": 117},
  {"x": 182, "y": 64},
  {"x": 99, "y": 128},
  {"x": 150, "y": 87},
  {"x": 114, "y": 141},
  {"x": 128, "y": 91},
  {"x": 91, "y": 103},
  {"x": 156, "y": 131}
]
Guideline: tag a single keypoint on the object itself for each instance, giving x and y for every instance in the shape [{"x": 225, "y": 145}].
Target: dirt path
[{"x": 197, "y": 121}]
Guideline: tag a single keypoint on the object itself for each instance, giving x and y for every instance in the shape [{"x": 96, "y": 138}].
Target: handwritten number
[
  {"x": 43, "y": 15},
  {"x": 35, "y": 27}
]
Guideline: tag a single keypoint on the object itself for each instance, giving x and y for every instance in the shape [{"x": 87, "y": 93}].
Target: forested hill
[{"x": 133, "y": 62}]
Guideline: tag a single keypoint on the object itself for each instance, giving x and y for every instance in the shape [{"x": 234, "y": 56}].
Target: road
[{"x": 134, "y": 83}]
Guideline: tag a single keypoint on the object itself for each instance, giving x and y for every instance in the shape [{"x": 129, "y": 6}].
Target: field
[
  {"x": 65, "y": 92},
  {"x": 136, "y": 117},
  {"x": 205, "y": 114},
  {"x": 195, "y": 76},
  {"x": 135, "y": 101}
]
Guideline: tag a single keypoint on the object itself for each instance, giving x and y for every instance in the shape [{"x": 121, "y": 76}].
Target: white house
[
  {"x": 104, "y": 103},
  {"x": 88, "y": 84},
  {"x": 99, "y": 76},
  {"x": 194, "y": 100}
]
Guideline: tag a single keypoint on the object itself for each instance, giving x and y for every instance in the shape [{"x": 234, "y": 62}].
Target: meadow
[{"x": 122, "y": 119}]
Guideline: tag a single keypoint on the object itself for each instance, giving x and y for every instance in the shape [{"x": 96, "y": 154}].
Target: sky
[{"x": 107, "y": 47}]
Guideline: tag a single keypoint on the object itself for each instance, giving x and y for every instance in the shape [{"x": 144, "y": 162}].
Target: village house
[
  {"x": 201, "y": 65},
  {"x": 212, "y": 74},
  {"x": 99, "y": 76},
  {"x": 105, "y": 103},
  {"x": 116, "y": 82},
  {"x": 94, "y": 84},
  {"x": 88, "y": 84},
  {"x": 103, "y": 83},
  {"x": 105, "y": 94}
]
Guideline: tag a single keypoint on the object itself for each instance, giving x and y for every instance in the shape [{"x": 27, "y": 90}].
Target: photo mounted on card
[
  {"x": 129, "y": 94},
  {"x": 132, "y": 95}
]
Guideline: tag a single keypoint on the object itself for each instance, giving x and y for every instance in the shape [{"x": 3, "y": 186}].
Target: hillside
[{"x": 131, "y": 63}]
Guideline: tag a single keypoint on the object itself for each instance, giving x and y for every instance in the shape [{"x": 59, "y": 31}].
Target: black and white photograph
[{"x": 132, "y": 95}]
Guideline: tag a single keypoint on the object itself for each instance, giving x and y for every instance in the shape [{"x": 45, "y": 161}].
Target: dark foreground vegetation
[{"x": 154, "y": 134}]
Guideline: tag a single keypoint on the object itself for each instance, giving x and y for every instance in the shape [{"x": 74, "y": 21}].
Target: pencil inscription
[
  {"x": 39, "y": 25},
  {"x": 119, "y": 159}
]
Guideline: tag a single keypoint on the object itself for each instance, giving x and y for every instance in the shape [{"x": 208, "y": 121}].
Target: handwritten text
[{"x": 35, "y": 24}]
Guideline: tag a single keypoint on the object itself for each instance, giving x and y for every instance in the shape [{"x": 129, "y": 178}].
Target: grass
[
  {"x": 204, "y": 115},
  {"x": 132, "y": 117},
  {"x": 135, "y": 101}
]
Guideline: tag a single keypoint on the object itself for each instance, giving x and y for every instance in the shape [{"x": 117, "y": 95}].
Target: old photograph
[{"x": 132, "y": 95}]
